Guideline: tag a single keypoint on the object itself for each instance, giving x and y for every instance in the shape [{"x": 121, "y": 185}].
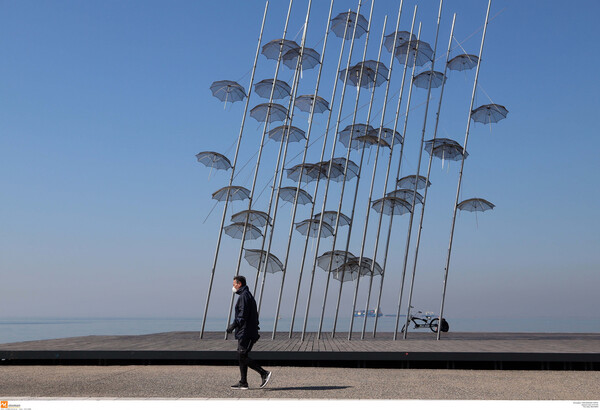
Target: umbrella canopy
[
  {"x": 336, "y": 258},
  {"x": 288, "y": 194},
  {"x": 387, "y": 133},
  {"x": 407, "y": 195},
  {"x": 463, "y": 62},
  {"x": 476, "y": 205},
  {"x": 489, "y": 113},
  {"x": 236, "y": 193},
  {"x": 268, "y": 112},
  {"x": 391, "y": 205},
  {"x": 355, "y": 266},
  {"x": 422, "y": 80},
  {"x": 256, "y": 218},
  {"x": 305, "y": 103},
  {"x": 310, "y": 227},
  {"x": 263, "y": 89},
  {"x": 236, "y": 230},
  {"x": 352, "y": 167},
  {"x": 228, "y": 91},
  {"x": 401, "y": 37},
  {"x": 336, "y": 173},
  {"x": 310, "y": 58},
  {"x": 213, "y": 160},
  {"x": 374, "y": 73},
  {"x": 419, "y": 52},
  {"x": 445, "y": 148},
  {"x": 271, "y": 49},
  {"x": 338, "y": 24},
  {"x": 410, "y": 181},
  {"x": 258, "y": 259},
  {"x": 371, "y": 139},
  {"x": 331, "y": 216},
  {"x": 295, "y": 133},
  {"x": 348, "y": 134},
  {"x": 310, "y": 172}
]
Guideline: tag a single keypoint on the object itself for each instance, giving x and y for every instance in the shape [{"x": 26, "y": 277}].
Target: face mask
[{"x": 233, "y": 289}]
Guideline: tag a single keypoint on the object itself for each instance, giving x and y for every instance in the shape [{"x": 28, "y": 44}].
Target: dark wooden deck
[{"x": 455, "y": 350}]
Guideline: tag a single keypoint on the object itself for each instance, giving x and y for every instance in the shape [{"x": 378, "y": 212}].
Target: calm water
[{"x": 24, "y": 329}]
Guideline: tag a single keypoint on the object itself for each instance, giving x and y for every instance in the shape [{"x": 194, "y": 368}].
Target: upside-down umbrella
[
  {"x": 463, "y": 62},
  {"x": 348, "y": 134},
  {"x": 475, "y": 205},
  {"x": 373, "y": 74},
  {"x": 445, "y": 148},
  {"x": 289, "y": 193},
  {"x": 236, "y": 193},
  {"x": 390, "y": 205},
  {"x": 387, "y": 133},
  {"x": 295, "y": 133},
  {"x": 258, "y": 258},
  {"x": 310, "y": 58},
  {"x": 236, "y": 230},
  {"x": 228, "y": 91},
  {"x": 305, "y": 103},
  {"x": 338, "y": 24},
  {"x": 401, "y": 37},
  {"x": 407, "y": 195},
  {"x": 268, "y": 112},
  {"x": 271, "y": 49},
  {"x": 281, "y": 90},
  {"x": 422, "y": 80},
  {"x": 331, "y": 216},
  {"x": 336, "y": 258},
  {"x": 410, "y": 181},
  {"x": 419, "y": 52},
  {"x": 213, "y": 160},
  {"x": 489, "y": 113},
  {"x": 256, "y": 218},
  {"x": 310, "y": 227}
]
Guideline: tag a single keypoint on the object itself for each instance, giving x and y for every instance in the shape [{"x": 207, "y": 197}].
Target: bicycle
[{"x": 428, "y": 321}]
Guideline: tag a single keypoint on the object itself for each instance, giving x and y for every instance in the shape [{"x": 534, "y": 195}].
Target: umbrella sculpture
[
  {"x": 373, "y": 74},
  {"x": 391, "y": 205},
  {"x": 462, "y": 62},
  {"x": 475, "y": 205},
  {"x": 352, "y": 167},
  {"x": 288, "y": 194},
  {"x": 422, "y": 80},
  {"x": 445, "y": 148},
  {"x": 310, "y": 227},
  {"x": 331, "y": 216},
  {"x": 236, "y": 230},
  {"x": 410, "y": 181},
  {"x": 407, "y": 195},
  {"x": 489, "y": 113},
  {"x": 336, "y": 173},
  {"x": 257, "y": 258},
  {"x": 268, "y": 112},
  {"x": 348, "y": 134},
  {"x": 309, "y": 172},
  {"x": 256, "y": 218},
  {"x": 363, "y": 268},
  {"x": 228, "y": 91},
  {"x": 295, "y": 133},
  {"x": 338, "y": 24},
  {"x": 282, "y": 89},
  {"x": 335, "y": 258},
  {"x": 305, "y": 103},
  {"x": 271, "y": 49},
  {"x": 310, "y": 58},
  {"x": 401, "y": 37},
  {"x": 387, "y": 133},
  {"x": 371, "y": 139},
  {"x": 236, "y": 193},
  {"x": 419, "y": 51},
  {"x": 213, "y": 160}
]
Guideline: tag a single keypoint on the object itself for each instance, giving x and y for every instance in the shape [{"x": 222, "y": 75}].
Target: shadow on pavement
[{"x": 309, "y": 388}]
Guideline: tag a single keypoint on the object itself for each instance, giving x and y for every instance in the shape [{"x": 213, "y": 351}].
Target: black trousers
[{"x": 244, "y": 347}]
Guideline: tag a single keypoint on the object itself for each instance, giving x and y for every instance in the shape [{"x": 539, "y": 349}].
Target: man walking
[{"x": 246, "y": 329}]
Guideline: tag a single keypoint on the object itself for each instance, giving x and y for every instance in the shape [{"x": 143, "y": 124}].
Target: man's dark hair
[{"x": 240, "y": 279}]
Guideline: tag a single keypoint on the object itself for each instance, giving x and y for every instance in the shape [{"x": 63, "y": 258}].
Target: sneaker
[
  {"x": 265, "y": 379},
  {"x": 240, "y": 386}
]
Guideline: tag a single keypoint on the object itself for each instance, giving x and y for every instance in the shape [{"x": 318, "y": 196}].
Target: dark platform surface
[{"x": 580, "y": 351}]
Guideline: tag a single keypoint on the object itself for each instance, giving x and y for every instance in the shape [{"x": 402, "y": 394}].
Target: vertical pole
[
  {"x": 462, "y": 165},
  {"x": 212, "y": 275},
  {"x": 437, "y": 119}
]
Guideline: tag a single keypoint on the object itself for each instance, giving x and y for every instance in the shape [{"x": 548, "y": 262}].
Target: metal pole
[
  {"x": 212, "y": 275},
  {"x": 312, "y": 111},
  {"x": 262, "y": 143},
  {"x": 437, "y": 119},
  {"x": 314, "y": 267},
  {"x": 323, "y": 151},
  {"x": 462, "y": 165}
]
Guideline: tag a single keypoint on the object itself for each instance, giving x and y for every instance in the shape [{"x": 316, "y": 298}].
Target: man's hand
[{"x": 231, "y": 328}]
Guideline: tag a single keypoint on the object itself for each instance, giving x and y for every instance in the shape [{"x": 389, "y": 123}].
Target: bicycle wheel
[{"x": 433, "y": 325}]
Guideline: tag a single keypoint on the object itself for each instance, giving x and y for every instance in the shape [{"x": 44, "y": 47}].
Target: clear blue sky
[{"x": 104, "y": 105}]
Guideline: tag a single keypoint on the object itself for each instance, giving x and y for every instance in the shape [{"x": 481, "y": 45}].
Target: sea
[{"x": 42, "y": 328}]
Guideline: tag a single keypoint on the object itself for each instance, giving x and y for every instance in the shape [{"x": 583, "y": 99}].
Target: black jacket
[{"x": 246, "y": 316}]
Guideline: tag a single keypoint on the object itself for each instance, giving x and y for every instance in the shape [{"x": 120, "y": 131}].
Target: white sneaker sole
[{"x": 266, "y": 381}]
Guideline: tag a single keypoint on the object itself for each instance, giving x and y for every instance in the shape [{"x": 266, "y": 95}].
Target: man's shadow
[{"x": 314, "y": 388}]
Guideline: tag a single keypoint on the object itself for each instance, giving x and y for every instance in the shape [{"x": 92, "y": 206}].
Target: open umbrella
[
  {"x": 310, "y": 58},
  {"x": 419, "y": 52},
  {"x": 305, "y": 103},
  {"x": 236, "y": 230},
  {"x": 268, "y": 112},
  {"x": 409, "y": 182},
  {"x": 445, "y": 148},
  {"x": 213, "y": 160},
  {"x": 463, "y": 62},
  {"x": 355, "y": 266},
  {"x": 289, "y": 193},
  {"x": 338, "y": 24},
  {"x": 489, "y": 113},
  {"x": 391, "y": 205},
  {"x": 422, "y": 80},
  {"x": 373, "y": 74},
  {"x": 257, "y": 218},
  {"x": 310, "y": 227},
  {"x": 331, "y": 216},
  {"x": 352, "y": 167},
  {"x": 295, "y": 133},
  {"x": 271, "y": 49},
  {"x": 348, "y": 134},
  {"x": 258, "y": 258},
  {"x": 336, "y": 173},
  {"x": 228, "y": 91},
  {"x": 407, "y": 195},
  {"x": 402, "y": 37},
  {"x": 371, "y": 139},
  {"x": 336, "y": 258},
  {"x": 475, "y": 205},
  {"x": 387, "y": 133},
  {"x": 263, "y": 89},
  {"x": 236, "y": 193},
  {"x": 309, "y": 172}
]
